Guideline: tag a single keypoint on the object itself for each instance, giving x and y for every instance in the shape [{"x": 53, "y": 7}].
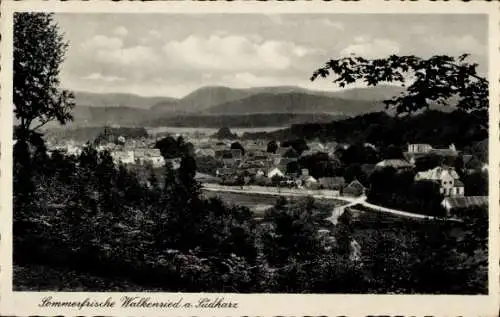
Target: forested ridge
[{"x": 378, "y": 128}]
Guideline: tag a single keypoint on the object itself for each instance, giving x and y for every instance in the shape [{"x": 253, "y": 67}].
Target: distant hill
[
  {"x": 99, "y": 116},
  {"x": 377, "y": 93},
  {"x": 295, "y": 102},
  {"x": 117, "y": 100},
  {"x": 207, "y": 97},
  {"x": 245, "y": 120},
  {"x": 94, "y": 109}
]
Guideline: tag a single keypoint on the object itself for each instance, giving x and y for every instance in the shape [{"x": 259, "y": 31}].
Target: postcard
[{"x": 241, "y": 158}]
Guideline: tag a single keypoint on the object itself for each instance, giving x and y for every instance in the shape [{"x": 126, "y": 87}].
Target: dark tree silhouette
[
  {"x": 299, "y": 145},
  {"x": 272, "y": 146},
  {"x": 225, "y": 133},
  {"x": 39, "y": 50},
  {"x": 238, "y": 146},
  {"x": 435, "y": 80}
]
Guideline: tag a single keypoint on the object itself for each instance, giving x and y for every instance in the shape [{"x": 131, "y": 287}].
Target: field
[{"x": 258, "y": 203}]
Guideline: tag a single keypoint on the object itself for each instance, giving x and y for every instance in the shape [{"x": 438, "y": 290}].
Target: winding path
[{"x": 351, "y": 201}]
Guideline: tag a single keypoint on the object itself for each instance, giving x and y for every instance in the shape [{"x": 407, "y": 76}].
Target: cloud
[
  {"x": 139, "y": 55},
  {"x": 110, "y": 51},
  {"x": 234, "y": 52},
  {"x": 373, "y": 48},
  {"x": 120, "y": 31},
  {"x": 100, "y": 77},
  {"x": 154, "y": 33},
  {"x": 333, "y": 24},
  {"x": 102, "y": 42},
  {"x": 456, "y": 44}
]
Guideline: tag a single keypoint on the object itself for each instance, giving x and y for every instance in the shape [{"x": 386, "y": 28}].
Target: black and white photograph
[{"x": 232, "y": 152}]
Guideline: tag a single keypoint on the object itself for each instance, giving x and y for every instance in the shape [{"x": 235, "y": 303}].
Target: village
[{"x": 274, "y": 167}]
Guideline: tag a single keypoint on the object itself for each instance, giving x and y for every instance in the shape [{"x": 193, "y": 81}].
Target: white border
[{"x": 25, "y": 303}]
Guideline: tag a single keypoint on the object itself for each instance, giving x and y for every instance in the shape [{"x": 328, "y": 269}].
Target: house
[
  {"x": 285, "y": 160},
  {"x": 220, "y": 146},
  {"x": 223, "y": 154},
  {"x": 156, "y": 160},
  {"x": 124, "y": 157},
  {"x": 255, "y": 171},
  {"x": 446, "y": 177},
  {"x": 236, "y": 153},
  {"x": 316, "y": 147},
  {"x": 73, "y": 150},
  {"x": 205, "y": 152},
  {"x": 397, "y": 164},
  {"x": 419, "y": 148},
  {"x": 453, "y": 203},
  {"x": 354, "y": 189},
  {"x": 307, "y": 153},
  {"x": 151, "y": 156},
  {"x": 230, "y": 162},
  {"x": 205, "y": 178},
  {"x": 225, "y": 172},
  {"x": 275, "y": 171},
  {"x": 334, "y": 183},
  {"x": 306, "y": 181},
  {"x": 371, "y": 146}
]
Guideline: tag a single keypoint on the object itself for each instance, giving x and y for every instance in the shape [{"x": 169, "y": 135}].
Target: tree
[
  {"x": 428, "y": 162},
  {"x": 238, "y": 146},
  {"x": 172, "y": 148},
  {"x": 299, "y": 145},
  {"x": 292, "y": 167},
  {"x": 225, "y": 133},
  {"x": 436, "y": 80},
  {"x": 272, "y": 146},
  {"x": 39, "y": 50}
]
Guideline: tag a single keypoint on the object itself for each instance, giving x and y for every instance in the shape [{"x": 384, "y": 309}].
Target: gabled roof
[
  {"x": 443, "y": 152},
  {"x": 355, "y": 184},
  {"x": 396, "y": 163},
  {"x": 466, "y": 201},
  {"x": 437, "y": 172},
  {"x": 307, "y": 153},
  {"x": 309, "y": 178}
]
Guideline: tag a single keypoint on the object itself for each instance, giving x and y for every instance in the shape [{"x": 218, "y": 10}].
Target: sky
[{"x": 174, "y": 54}]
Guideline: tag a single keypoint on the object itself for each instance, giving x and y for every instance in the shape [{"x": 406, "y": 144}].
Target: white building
[
  {"x": 419, "y": 148},
  {"x": 125, "y": 157},
  {"x": 275, "y": 172},
  {"x": 446, "y": 177}
]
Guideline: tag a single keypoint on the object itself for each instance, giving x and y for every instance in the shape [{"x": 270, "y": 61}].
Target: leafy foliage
[
  {"x": 173, "y": 148},
  {"x": 39, "y": 50},
  {"x": 433, "y": 127},
  {"x": 435, "y": 79},
  {"x": 238, "y": 146},
  {"x": 225, "y": 133}
]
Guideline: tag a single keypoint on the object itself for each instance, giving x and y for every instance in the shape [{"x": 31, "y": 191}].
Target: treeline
[
  {"x": 242, "y": 121},
  {"x": 86, "y": 214},
  {"x": 378, "y": 128}
]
